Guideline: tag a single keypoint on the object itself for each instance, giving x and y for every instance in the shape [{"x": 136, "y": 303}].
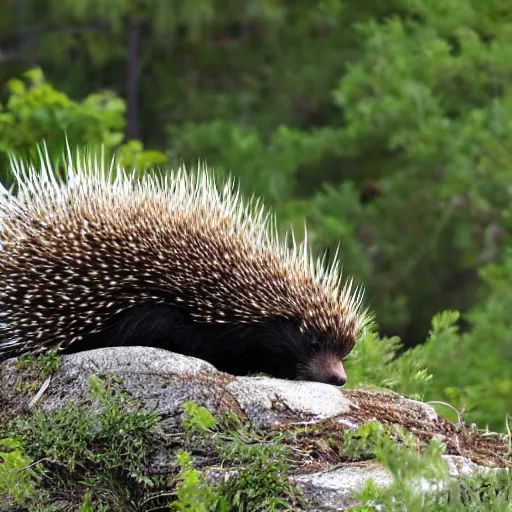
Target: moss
[{"x": 45, "y": 364}]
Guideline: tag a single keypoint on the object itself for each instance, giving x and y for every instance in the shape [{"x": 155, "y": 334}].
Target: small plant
[
  {"x": 18, "y": 481},
  {"x": 49, "y": 363},
  {"x": 260, "y": 471},
  {"x": 45, "y": 364},
  {"x": 262, "y": 482},
  {"x": 197, "y": 419},
  {"x": 103, "y": 444},
  {"x": 375, "y": 364},
  {"x": 193, "y": 493},
  {"x": 421, "y": 480}
]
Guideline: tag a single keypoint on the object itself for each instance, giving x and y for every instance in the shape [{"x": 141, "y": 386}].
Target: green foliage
[
  {"x": 449, "y": 365},
  {"x": 66, "y": 439},
  {"x": 88, "y": 505},
  {"x": 35, "y": 112},
  {"x": 45, "y": 364},
  {"x": 262, "y": 484},
  {"x": 126, "y": 430},
  {"x": 421, "y": 480},
  {"x": 432, "y": 103},
  {"x": 49, "y": 363},
  {"x": 422, "y": 108},
  {"x": 192, "y": 493},
  {"x": 105, "y": 443},
  {"x": 100, "y": 450},
  {"x": 413, "y": 96},
  {"x": 197, "y": 419},
  {"x": 375, "y": 363},
  {"x": 470, "y": 369},
  {"x": 17, "y": 480},
  {"x": 265, "y": 167},
  {"x": 309, "y": 104},
  {"x": 261, "y": 481},
  {"x": 132, "y": 154}
]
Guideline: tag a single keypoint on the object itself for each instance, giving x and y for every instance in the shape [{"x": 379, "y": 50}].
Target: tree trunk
[{"x": 133, "y": 78}]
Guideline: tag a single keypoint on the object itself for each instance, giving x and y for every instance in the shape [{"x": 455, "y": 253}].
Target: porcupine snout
[{"x": 327, "y": 368}]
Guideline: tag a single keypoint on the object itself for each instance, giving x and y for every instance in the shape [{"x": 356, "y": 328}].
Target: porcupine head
[{"x": 101, "y": 257}]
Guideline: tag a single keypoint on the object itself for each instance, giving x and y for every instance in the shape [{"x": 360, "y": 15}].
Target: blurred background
[{"x": 385, "y": 125}]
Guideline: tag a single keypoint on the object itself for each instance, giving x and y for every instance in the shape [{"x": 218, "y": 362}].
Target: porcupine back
[{"x": 102, "y": 257}]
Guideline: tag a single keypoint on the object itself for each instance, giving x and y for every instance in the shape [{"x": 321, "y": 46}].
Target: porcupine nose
[
  {"x": 336, "y": 380},
  {"x": 336, "y": 375},
  {"x": 327, "y": 368}
]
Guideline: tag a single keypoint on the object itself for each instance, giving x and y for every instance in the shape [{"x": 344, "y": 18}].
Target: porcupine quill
[{"x": 103, "y": 258}]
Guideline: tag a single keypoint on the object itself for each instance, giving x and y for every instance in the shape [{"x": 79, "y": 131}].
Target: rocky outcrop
[{"x": 164, "y": 381}]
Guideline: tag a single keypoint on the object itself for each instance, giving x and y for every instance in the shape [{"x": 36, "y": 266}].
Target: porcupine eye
[
  {"x": 314, "y": 343},
  {"x": 323, "y": 364}
]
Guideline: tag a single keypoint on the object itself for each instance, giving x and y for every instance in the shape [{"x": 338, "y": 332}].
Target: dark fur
[{"x": 276, "y": 347}]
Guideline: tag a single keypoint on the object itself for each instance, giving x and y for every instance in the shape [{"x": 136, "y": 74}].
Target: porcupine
[{"x": 100, "y": 257}]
